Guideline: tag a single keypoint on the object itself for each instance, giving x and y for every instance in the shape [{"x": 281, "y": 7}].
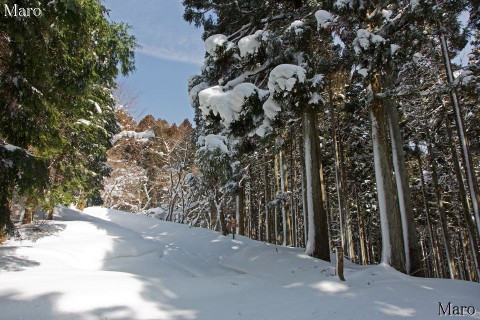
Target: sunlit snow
[{"x": 106, "y": 264}]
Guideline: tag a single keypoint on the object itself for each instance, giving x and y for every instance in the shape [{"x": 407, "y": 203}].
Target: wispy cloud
[
  {"x": 160, "y": 29},
  {"x": 171, "y": 54}
]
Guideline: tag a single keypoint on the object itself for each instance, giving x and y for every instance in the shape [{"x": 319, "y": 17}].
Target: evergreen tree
[{"x": 56, "y": 68}]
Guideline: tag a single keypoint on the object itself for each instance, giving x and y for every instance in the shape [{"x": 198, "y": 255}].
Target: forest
[{"x": 318, "y": 125}]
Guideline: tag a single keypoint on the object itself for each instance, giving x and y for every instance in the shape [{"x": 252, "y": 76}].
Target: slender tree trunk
[
  {"x": 441, "y": 210},
  {"x": 413, "y": 256},
  {"x": 361, "y": 231},
  {"x": 251, "y": 197},
  {"x": 285, "y": 205},
  {"x": 338, "y": 180},
  {"x": 466, "y": 155},
  {"x": 304, "y": 193},
  {"x": 267, "y": 198},
  {"x": 292, "y": 174},
  {"x": 348, "y": 215},
  {"x": 241, "y": 211},
  {"x": 426, "y": 264},
  {"x": 278, "y": 190},
  {"x": 218, "y": 204},
  {"x": 393, "y": 251},
  {"x": 317, "y": 241},
  {"x": 260, "y": 220},
  {"x": 435, "y": 262},
  {"x": 468, "y": 224}
]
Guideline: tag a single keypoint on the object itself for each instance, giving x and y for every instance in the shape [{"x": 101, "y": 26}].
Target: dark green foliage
[{"x": 55, "y": 69}]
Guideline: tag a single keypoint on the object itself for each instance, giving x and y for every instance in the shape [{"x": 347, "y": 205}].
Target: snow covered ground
[{"x": 105, "y": 264}]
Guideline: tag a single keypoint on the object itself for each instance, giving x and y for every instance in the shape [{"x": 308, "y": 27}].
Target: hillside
[{"x": 106, "y": 264}]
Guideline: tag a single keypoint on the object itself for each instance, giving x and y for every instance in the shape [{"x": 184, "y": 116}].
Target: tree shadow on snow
[{"x": 10, "y": 261}]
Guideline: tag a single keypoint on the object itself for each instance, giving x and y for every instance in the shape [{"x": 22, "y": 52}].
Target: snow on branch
[
  {"x": 133, "y": 134},
  {"x": 227, "y": 104},
  {"x": 284, "y": 77},
  {"x": 364, "y": 39},
  {"x": 212, "y": 44},
  {"x": 249, "y": 45},
  {"x": 214, "y": 141},
  {"x": 324, "y": 19}
]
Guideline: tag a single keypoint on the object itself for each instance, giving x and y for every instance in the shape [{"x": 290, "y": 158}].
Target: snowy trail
[{"x": 106, "y": 264}]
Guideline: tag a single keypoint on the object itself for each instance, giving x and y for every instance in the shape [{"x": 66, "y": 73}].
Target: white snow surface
[{"x": 106, "y": 264}]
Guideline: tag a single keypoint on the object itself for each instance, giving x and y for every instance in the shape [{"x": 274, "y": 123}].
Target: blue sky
[{"x": 172, "y": 51}]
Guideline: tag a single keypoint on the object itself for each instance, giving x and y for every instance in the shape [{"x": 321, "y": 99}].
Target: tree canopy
[{"x": 57, "y": 71}]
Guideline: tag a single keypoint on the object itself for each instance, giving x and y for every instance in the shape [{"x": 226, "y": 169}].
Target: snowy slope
[{"x": 105, "y": 264}]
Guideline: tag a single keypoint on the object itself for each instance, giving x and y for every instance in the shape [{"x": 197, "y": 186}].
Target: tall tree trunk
[
  {"x": 338, "y": 178},
  {"x": 348, "y": 215},
  {"x": 317, "y": 241},
  {"x": 361, "y": 230},
  {"x": 278, "y": 190},
  {"x": 251, "y": 200},
  {"x": 267, "y": 198},
  {"x": 466, "y": 223},
  {"x": 241, "y": 211},
  {"x": 259, "y": 219},
  {"x": 441, "y": 210},
  {"x": 304, "y": 192},
  {"x": 285, "y": 205},
  {"x": 393, "y": 251},
  {"x": 293, "y": 177},
  {"x": 466, "y": 155},
  {"x": 219, "y": 210},
  {"x": 413, "y": 258},
  {"x": 436, "y": 264}
]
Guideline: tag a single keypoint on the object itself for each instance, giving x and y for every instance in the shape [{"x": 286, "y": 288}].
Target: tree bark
[
  {"x": 361, "y": 231},
  {"x": 304, "y": 192},
  {"x": 285, "y": 205},
  {"x": 436, "y": 264},
  {"x": 241, "y": 211},
  {"x": 466, "y": 155},
  {"x": 393, "y": 251},
  {"x": 338, "y": 180},
  {"x": 443, "y": 219},
  {"x": 413, "y": 256},
  {"x": 317, "y": 241},
  {"x": 466, "y": 223},
  {"x": 267, "y": 198}
]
